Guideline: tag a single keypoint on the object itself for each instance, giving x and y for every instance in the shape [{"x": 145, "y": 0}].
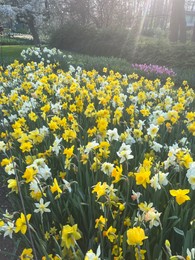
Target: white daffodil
[
  {"x": 156, "y": 146},
  {"x": 125, "y": 153},
  {"x": 135, "y": 196},
  {"x": 159, "y": 180},
  {"x": 10, "y": 168},
  {"x": 191, "y": 254},
  {"x": 56, "y": 145},
  {"x": 113, "y": 134},
  {"x": 162, "y": 178},
  {"x": 2, "y": 146},
  {"x": 191, "y": 175},
  {"x": 42, "y": 207},
  {"x": 153, "y": 216},
  {"x": 67, "y": 185},
  {"x": 44, "y": 130},
  {"x": 90, "y": 255},
  {"x": 90, "y": 146},
  {"x": 153, "y": 130},
  {"x": 154, "y": 182},
  {"x": 37, "y": 163},
  {"x": 107, "y": 168},
  {"x": 35, "y": 186},
  {"x": 44, "y": 172},
  {"x": 9, "y": 229}
]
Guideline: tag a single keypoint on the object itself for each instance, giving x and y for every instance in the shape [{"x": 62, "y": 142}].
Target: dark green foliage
[
  {"x": 72, "y": 37},
  {"x": 89, "y": 40},
  {"x": 163, "y": 53},
  {"x": 98, "y": 63},
  {"x": 111, "y": 42}
]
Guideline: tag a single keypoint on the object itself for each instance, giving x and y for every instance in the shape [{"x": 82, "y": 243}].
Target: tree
[
  {"x": 178, "y": 22},
  {"x": 30, "y": 12}
]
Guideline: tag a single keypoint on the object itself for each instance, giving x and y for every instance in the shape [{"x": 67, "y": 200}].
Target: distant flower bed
[
  {"x": 98, "y": 166},
  {"x": 45, "y": 55},
  {"x": 156, "y": 69}
]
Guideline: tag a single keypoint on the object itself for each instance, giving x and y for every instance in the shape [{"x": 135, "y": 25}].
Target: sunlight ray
[{"x": 146, "y": 7}]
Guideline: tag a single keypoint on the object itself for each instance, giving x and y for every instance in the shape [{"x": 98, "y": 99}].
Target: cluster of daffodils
[
  {"x": 150, "y": 68},
  {"x": 98, "y": 166},
  {"x": 44, "y": 55}
]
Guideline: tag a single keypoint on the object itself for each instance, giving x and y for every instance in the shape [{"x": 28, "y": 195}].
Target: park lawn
[{"x": 9, "y": 53}]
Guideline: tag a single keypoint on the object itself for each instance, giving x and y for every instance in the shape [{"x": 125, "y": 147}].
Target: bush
[
  {"x": 87, "y": 40},
  {"x": 165, "y": 54},
  {"x": 72, "y": 37},
  {"x": 121, "y": 43},
  {"x": 111, "y": 42}
]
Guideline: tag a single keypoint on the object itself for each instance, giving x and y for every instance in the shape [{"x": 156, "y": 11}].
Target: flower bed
[
  {"x": 98, "y": 166},
  {"x": 158, "y": 70}
]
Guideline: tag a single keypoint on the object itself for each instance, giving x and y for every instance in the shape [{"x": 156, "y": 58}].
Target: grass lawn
[{"x": 10, "y": 53}]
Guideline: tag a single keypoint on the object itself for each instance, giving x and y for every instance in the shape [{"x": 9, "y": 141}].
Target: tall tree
[
  {"x": 29, "y": 12},
  {"x": 178, "y": 22}
]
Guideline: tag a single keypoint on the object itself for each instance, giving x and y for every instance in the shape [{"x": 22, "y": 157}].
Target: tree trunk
[
  {"x": 178, "y": 22},
  {"x": 174, "y": 23},
  {"x": 33, "y": 30},
  {"x": 193, "y": 34},
  {"x": 182, "y": 22}
]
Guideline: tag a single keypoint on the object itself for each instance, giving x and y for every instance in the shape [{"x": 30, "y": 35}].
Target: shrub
[
  {"x": 72, "y": 37},
  {"x": 164, "y": 54},
  {"x": 121, "y": 43},
  {"x": 111, "y": 42},
  {"x": 88, "y": 40}
]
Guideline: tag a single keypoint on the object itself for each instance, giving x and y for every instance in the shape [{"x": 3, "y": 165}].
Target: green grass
[
  {"x": 10, "y": 53},
  {"x": 6, "y": 40},
  {"x": 98, "y": 63}
]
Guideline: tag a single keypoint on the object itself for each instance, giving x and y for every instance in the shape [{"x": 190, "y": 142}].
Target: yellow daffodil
[
  {"x": 27, "y": 254},
  {"x": 29, "y": 174},
  {"x": 180, "y": 195},
  {"x": 12, "y": 184},
  {"x": 110, "y": 233},
  {"x": 26, "y": 147},
  {"x": 100, "y": 189},
  {"x": 21, "y": 224},
  {"x": 135, "y": 236},
  {"x": 69, "y": 236},
  {"x": 100, "y": 222},
  {"x": 55, "y": 187}
]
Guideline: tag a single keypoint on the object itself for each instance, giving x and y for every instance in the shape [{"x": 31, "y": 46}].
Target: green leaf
[
  {"x": 179, "y": 231},
  {"x": 173, "y": 217}
]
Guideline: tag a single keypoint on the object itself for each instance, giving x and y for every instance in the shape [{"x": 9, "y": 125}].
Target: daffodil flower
[{"x": 42, "y": 207}]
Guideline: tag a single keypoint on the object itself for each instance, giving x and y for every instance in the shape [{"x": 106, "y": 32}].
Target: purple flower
[{"x": 149, "y": 68}]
